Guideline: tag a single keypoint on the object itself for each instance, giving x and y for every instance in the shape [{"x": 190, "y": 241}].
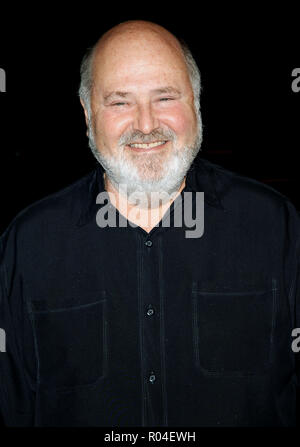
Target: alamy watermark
[
  {"x": 296, "y": 82},
  {"x": 296, "y": 342},
  {"x": 2, "y": 80},
  {"x": 188, "y": 211},
  {"x": 2, "y": 340}
]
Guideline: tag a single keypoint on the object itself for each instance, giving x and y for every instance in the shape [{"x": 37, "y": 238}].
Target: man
[{"x": 114, "y": 313}]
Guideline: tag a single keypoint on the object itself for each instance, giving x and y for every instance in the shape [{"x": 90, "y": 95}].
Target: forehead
[{"x": 136, "y": 60}]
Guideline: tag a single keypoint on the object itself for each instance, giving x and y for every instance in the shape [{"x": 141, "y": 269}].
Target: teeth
[{"x": 145, "y": 146}]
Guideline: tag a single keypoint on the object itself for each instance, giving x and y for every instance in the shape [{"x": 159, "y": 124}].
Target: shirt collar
[{"x": 201, "y": 177}]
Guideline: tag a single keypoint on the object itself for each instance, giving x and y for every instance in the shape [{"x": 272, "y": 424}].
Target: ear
[{"x": 86, "y": 116}]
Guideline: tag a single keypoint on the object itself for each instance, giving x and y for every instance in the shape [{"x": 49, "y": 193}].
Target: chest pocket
[
  {"x": 233, "y": 331},
  {"x": 70, "y": 342}
]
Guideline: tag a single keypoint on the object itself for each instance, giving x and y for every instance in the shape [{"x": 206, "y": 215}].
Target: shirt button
[
  {"x": 152, "y": 378},
  {"x": 148, "y": 243},
  {"x": 150, "y": 312}
]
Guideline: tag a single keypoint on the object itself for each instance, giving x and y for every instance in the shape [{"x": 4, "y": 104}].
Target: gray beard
[{"x": 126, "y": 177}]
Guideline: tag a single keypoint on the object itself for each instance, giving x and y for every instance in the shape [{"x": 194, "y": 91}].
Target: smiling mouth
[{"x": 147, "y": 146}]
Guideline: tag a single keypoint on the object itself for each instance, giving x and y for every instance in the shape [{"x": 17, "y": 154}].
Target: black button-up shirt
[{"x": 114, "y": 326}]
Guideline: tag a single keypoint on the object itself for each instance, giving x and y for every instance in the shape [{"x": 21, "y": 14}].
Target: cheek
[
  {"x": 179, "y": 118},
  {"x": 110, "y": 126}
]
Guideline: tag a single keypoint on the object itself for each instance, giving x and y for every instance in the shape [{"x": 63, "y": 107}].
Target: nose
[{"x": 145, "y": 120}]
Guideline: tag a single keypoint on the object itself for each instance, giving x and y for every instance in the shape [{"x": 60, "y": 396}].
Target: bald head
[
  {"x": 138, "y": 30},
  {"x": 136, "y": 37}
]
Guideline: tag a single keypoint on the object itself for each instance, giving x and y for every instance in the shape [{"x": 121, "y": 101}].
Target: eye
[
  {"x": 119, "y": 104},
  {"x": 166, "y": 99}
]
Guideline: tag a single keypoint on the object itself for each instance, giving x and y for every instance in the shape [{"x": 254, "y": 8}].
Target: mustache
[{"x": 139, "y": 137}]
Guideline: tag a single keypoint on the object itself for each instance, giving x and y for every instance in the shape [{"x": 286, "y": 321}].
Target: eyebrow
[
  {"x": 162, "y": 90},
  {"x": 168, "y": 89},
  {"x": 120, "y": 94}
]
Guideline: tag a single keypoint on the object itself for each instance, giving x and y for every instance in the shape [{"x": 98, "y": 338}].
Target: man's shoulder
[
  {"x": 233, "y": 187},
  {"x": 60, "y": 208}
]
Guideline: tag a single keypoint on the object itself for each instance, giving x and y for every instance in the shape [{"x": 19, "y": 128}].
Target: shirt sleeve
[{"x": 17, "y": 393}]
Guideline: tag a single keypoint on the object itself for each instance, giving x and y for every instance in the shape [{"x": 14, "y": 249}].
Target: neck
[{"x": 144, "y": 217}]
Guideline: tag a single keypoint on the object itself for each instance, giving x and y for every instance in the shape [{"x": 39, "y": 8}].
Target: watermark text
[{"x": 2, "y": 80}]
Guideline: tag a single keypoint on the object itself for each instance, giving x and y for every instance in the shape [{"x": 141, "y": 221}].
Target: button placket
[{"x": 151, "y": 340}]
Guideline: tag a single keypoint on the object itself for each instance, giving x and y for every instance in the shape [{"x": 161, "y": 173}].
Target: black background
[{"x": 245, "y": 53}]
